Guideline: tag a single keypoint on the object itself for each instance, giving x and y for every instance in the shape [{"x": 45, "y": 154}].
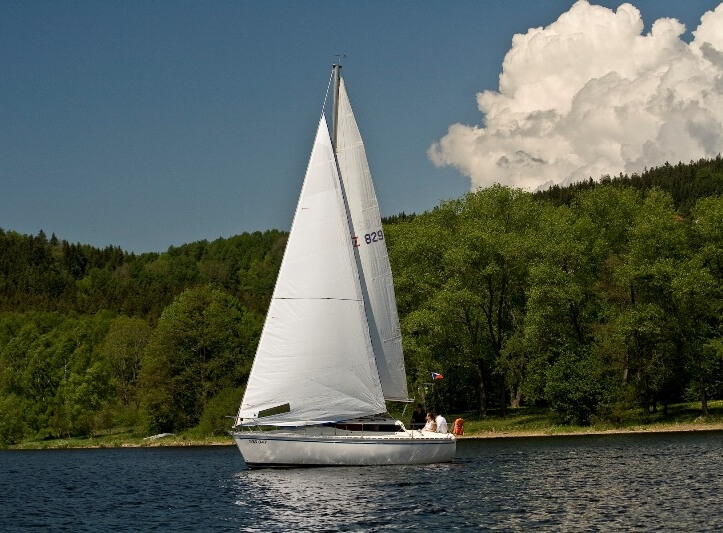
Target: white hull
[{"x": 329, "y": 447}]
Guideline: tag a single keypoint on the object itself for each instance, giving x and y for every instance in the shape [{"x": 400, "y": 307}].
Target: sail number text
[{"x": 369, "y": 238}]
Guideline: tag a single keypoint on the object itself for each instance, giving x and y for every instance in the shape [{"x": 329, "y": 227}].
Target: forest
[{"x": 588, "y": 300}]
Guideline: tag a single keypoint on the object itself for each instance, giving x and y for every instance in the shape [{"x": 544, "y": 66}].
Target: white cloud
[{"x": 590, "y": 95}]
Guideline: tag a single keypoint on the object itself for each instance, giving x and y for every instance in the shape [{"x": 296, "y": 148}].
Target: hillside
[{"x": 588, "y": 300}]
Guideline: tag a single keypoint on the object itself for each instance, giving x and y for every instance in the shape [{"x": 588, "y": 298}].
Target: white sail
[
  {"x": 377, "y": 285},
  {"x": 315, "y": 362},
  {"x": 330, "y": 351}
]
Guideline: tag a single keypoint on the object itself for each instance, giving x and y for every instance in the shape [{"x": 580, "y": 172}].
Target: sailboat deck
[{"x": 327, "y": 432}]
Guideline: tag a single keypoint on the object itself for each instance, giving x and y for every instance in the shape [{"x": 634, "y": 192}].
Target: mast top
[
  {"x": 337, "y": 60},
  {"x": 335, "y": 104}
]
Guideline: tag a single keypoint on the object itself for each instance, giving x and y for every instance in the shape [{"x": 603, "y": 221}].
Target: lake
[{"x": 631, "y": 482}]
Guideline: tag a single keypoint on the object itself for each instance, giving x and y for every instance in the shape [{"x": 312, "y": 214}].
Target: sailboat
[{"x": 330, "y": 353}]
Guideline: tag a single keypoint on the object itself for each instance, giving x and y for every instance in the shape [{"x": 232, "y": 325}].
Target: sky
[{"x": 146, "y": 125}]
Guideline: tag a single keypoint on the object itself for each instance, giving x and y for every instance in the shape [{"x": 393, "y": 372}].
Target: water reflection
[
  {"x": 338, "y": 499},
  {"x": 620, "y": 482}
]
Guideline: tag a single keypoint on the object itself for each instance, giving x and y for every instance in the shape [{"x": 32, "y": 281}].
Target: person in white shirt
[{"x": 441, "y": 424}]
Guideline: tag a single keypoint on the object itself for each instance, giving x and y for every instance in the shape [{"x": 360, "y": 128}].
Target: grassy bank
[
  {"x": 540, "y": 422},
  {"x": 121, "y": 440},
  {"x": 523, "y": 422}
]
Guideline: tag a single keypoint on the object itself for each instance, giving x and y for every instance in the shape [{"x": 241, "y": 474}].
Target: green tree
[
  {"x": 215, "y": 417},
  {"x": 656, "y": 251},
  {"x": 574, "y": 388},
  {"x": 697, "y": 291},
  {"x": 123, "y": 348},
  {"x": 465, "y": 266},
  {"x": 12, "y": 419},
  {"x": 51, "y": 367},
  {"x": 82, "y": 400},
  {"x": 564, "y": 303},
  {"x": 203, "y": 343}
]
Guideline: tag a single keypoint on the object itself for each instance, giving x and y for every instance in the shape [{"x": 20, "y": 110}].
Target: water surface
[{"x": 663, "y": 482}]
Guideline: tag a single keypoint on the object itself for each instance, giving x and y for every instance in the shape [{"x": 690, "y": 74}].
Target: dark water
[{"x": 671, "y": 482}]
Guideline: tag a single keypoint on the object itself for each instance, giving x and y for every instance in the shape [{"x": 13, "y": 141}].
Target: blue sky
[{"x": 150, "y": 124}]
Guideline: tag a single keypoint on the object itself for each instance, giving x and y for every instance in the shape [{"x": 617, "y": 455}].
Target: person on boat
[
  {"x": 441, "y": 424},
  {"x": 418, "y": 417},
  {"x": 431, "y": 425}
]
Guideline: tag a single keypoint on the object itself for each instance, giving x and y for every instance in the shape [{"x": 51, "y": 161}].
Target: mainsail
[
  {"x": 377, "y": 285},
  {"x": 315, "y": 360}
]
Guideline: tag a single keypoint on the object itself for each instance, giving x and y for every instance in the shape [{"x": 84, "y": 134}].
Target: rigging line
[
  {"x": 329, "y": 298},
  {"x": 328, "y": 86}
]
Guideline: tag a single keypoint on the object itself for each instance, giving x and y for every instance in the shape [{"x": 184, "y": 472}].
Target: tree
[
  {"x": 416, "y": 251},
  {"x": 574, "y": 388},
  {"x": 51, "y": 367},
  {"x": 563, "y": 300},
  {"x": 123, "y": 347},
  {"x": 697, "y": 293},
  {"x": 650, "y": 316},
  {"x": 465, "y": 266},
  {"x": 12, "y": 419},
  {"x": 203, "y": 343}
]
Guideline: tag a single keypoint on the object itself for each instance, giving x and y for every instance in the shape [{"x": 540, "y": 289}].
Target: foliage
[
  {"x": 591, "y": 300},
  {"x": 37, "y": 274},
  {"x": 203, "y": 344},
  {"x": 55, "y": 381},
  {"x": 573, "y": 388},
  {"x": 464, "y": 299},
  {"x": 215, "y": 417},
  {"x": 685, "y": 183}
]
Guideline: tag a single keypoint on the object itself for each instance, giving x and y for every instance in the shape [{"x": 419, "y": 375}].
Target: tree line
[
  {"x": 41, "y": 274},
  {"x": 92, "y": 339},
  {"x": 589, "y": 300}
]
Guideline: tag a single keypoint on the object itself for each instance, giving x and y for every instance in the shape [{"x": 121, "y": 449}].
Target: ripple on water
[{"x": 622, "y": 482}]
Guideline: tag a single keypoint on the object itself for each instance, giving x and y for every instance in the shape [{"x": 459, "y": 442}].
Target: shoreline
[
  {"x": 551, "y": 432},
  {"x": 179, "y": 442}
]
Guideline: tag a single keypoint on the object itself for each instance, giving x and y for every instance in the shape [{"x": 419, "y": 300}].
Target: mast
[{"x": 335, "y": 110}]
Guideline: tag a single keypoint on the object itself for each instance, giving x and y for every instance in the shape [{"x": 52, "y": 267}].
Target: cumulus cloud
[{"x": 590, "y": 95}]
